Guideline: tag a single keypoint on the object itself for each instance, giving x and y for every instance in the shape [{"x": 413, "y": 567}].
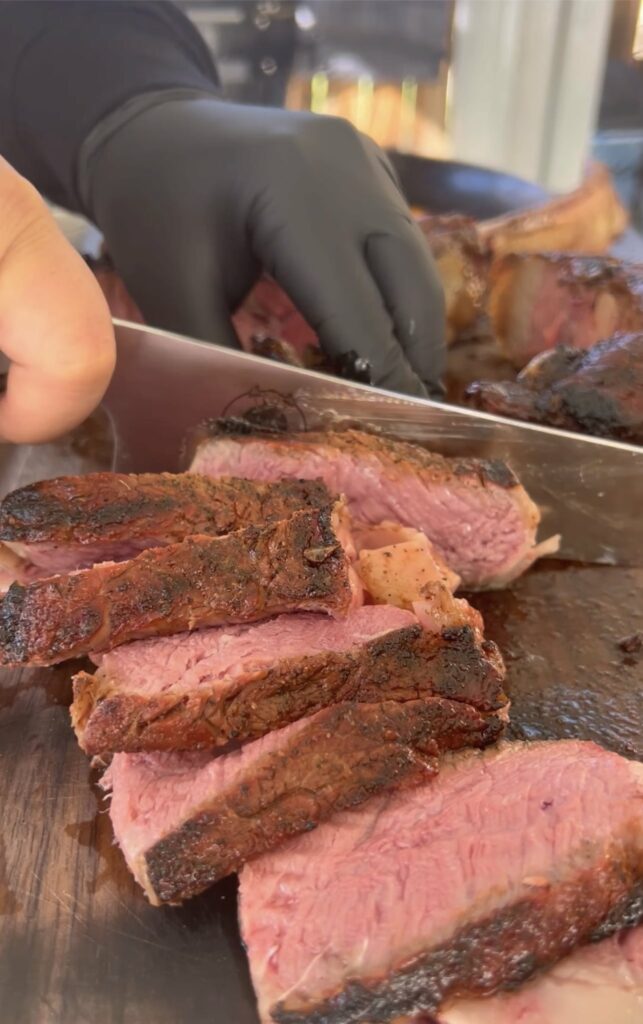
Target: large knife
[{"x": 590, "y": 491}]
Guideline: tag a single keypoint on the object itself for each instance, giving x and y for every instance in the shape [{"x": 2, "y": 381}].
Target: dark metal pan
[{"x": 447, "y": 186}]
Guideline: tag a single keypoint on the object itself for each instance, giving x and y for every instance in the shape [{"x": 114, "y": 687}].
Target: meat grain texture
[
  {"x": 185, "y": 820},
  {"x": 597, "y": 984},
  {"x": 207, "y": 688},
  {"x": 296, "y": 564},
  {"x": 453, "y": 889},
  {"x": 475, "y": 512}
]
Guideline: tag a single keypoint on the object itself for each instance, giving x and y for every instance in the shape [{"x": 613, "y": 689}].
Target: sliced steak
[
  {"x": 595, "y": 984},
  {"x": 185, "y": 820},
  {"x": 239, "y": 682},
  {"x": 467, "y": 884},
  {"x": 76, "y": 521},
  {"x": 475, "y": 512},
  {"x": 540, "y": 301},
  {"x": 596, "y": 391},
  {"x": 297, "y": 564}
]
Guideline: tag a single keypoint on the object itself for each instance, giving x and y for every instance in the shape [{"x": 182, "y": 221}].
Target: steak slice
[
  {"x": 538, "y": 302},
  {"x": 475, "y": 512},
  {"x": 598, "y": 983},
  {"x": 207, "y": 688},
  {"x": 457, "y": 888},
  {"x": 291, "y": 565},
  {"x": 185, "y": 820},
  {"x": 595, "y": 391},
  {"x": 76, "y": 521}
]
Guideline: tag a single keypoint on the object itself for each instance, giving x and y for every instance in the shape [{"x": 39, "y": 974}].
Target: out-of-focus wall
[{"x": 527, "y": 79}]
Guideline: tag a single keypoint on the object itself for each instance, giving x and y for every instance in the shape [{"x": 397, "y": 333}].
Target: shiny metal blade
[{"x": 590, "y": 491}]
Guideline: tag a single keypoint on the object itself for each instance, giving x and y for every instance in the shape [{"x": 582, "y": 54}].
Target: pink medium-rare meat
[
  {"x": 597, "y": 984},
  {"x": 460, "y": 887},
  {"x": 538, "y": 302},
  {"x": 73, "y": 522},
  {"x": 185, "y": 820},
  {"x": 475, "y": 512},
  {"x": 204, "y": 689},
  {"x": 295, "y": 564}
]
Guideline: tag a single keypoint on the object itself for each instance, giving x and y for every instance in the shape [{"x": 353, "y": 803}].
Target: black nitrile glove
[{"x": 195, "y": 196}]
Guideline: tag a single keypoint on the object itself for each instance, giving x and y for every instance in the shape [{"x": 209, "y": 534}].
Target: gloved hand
[{"x": 195, "y": 196}]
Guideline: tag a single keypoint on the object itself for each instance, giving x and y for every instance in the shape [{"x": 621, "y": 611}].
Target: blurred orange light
[{"x": 637, "y": 49}]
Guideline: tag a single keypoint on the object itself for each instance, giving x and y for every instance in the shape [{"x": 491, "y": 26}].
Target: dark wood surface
[{"x": 79, "y": 943}]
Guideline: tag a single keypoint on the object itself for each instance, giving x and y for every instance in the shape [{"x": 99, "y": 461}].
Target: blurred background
[
  {"x": 516, "y": 130},
  {"x": 530, "y": 88}
]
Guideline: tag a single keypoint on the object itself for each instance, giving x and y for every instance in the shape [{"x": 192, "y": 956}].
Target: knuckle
[{"x": 304, "y": 134}]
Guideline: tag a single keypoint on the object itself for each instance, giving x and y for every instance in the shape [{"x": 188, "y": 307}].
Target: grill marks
[{"x": 242, "y": 577}]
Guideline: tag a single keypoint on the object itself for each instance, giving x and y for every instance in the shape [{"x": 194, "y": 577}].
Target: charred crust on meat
[
  {"x": 23, "y": 620},
  {"x": 201, "y": 581},
  {"x": 492, "y": 471},
  {"x": 391, "y": 451},
  {"x": 628, "y": 913},
  {"x": 351, "y": 751},
  {"x": 13, "y": 642},
  {"x": 595, "y": 412},
  {"x": 272, "y": 412},
  {"x": 501, "y": 951},
  {"x": 584, "y": 270},
  {"x": 403, "y": 664},
  {"x": 104, "y": 506},
  {"x": 594, "y": 390}
]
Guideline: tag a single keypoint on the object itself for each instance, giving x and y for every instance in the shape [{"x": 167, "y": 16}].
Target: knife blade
[{"x": 589, "y": 490}]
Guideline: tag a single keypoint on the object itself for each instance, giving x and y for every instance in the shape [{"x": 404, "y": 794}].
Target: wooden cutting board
[{"x": 78, "y": 941}]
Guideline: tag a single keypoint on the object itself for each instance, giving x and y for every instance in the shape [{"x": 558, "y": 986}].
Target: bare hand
[{"x": 55, "y": 327}]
